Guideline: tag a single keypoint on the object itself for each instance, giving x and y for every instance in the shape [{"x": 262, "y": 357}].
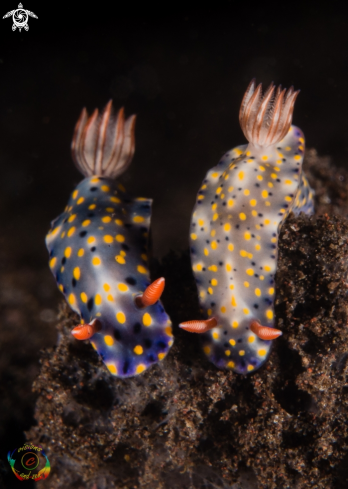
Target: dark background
[{"x": 183, "y": 69}]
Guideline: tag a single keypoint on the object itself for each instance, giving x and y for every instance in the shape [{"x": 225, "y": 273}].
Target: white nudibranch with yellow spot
[
  {"x": 240, "y": 209},
  {"x": 98, "y": 251}
]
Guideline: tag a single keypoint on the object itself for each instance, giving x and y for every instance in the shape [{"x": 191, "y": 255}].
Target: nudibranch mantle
[
  {"x": 239, "y": 211},
  {"x": 98, "y": 255}
]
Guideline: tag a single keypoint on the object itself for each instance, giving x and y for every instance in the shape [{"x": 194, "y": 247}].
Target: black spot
[
  {"x": 145, "y": 206},
  {"x": 136, "y": 328},
  {"x": 83, "y": 234},
  {"x": 207, "y": 241},
  {"x": 260, "y": 215},
  {"x": 256, "y": 275},
  {"x": 91, "y": 214},
  {"x": 127, "y": 201},
  {"x": 193, "y": 251},
  {"x": 220, "y": 263},
  {"x": 278, "y": 180},
  {"x": 226, "y": 345},
  {"x": 125, "y": 247},
  {"x": 63, "y": 260},
  {"x": 147, "y": 343},
  {"x": 130, "y": 280},
  {"x": 239, "y": 340},
  {"x": 93, "y": 189},
  {"x": 93, "y": 248},
  {"x": 51, "y": 253},
  {"x": 257, "y": 184},
  {"x": 225, "y": 332},
  {"x": 128, "y": 225},
  {"x": 161, "y": 345},
  {"x": 253, "y": 263},
  {"x": 256, "y": 306},
  {"x": 151, "y": 358},
  {"x": 226, "y": 238},
  {"x": 202, "y": 229},
  {"x": 117, "y": 334},
  {"x": 270, "y": 193},
  {"x": 203, "y": 269},
  {"x": 65, "y": 220},
  {"x": 90, "y": 304},
  {"x": 73, "y": 282},
  {"x": 126, "y": 367},
  {"x": 237, "y": 226},
  {"x": 242, "y": 363},
  {"x": 212, "y": 304}
]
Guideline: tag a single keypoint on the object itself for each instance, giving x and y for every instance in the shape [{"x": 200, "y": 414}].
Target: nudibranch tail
[
  {"x": 199, "y": 326},
  {"x": 151, "y": 294},
  {"x": 266, "y": 119},
  {"x": 86, "y": 331},
  {"x": 103, "y": 145},
  {"x": 264, "y": 332}
]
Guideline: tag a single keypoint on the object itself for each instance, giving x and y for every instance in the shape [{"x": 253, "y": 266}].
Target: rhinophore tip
[
  {"x": 151, "y": 294},
  {"x": 199, "y": 326},
  {"x": 86, "y": 331},
  {"x": 264, "y": 332},
  {"x": 266, "y": 119}
]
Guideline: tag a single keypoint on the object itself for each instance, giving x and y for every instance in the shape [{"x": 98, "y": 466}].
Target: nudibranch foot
[
  {"x": 264, "y": 332},
  {"x": 98, "y": 251},
  {"x": 151, "y": 294},
  {"x": 86, "y": 331},
  {"x": 239, "y": 211},
  {"x": 199, "y": 326}
]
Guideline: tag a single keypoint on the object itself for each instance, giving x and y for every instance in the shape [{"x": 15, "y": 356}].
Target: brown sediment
[{"x": 184, "y": 423}]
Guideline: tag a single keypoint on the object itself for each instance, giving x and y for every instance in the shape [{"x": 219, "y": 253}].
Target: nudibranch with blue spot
[
  {"x": 239, "y": 211},
  {"x": 98, "y": 251}
]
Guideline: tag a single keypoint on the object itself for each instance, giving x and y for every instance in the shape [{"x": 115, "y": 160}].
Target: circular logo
[{"x": 30, "y": 460}]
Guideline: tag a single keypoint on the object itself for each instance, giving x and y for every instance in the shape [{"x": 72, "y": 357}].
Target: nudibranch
[
  {"x": 236, "y": 221},
  {"x": 98, "y": 251}
]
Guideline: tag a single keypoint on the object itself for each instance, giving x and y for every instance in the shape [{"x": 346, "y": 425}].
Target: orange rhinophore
[
  {"x": 86, "y": 331},
  {"x": 264, "y": 332},
  {"x": 151, "y": 294},
  {"x": 199, "y": 326}
]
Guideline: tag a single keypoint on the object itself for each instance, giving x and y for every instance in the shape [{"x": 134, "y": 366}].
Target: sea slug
[
  {"x": 236, "y": 221},
  {"x": 98, "y": 251}
]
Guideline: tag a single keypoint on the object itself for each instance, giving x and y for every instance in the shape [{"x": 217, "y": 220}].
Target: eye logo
[{"x": 29, "y": 462}]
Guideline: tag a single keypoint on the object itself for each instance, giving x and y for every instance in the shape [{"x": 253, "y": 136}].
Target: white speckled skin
[{"x": 240, "y": 209}]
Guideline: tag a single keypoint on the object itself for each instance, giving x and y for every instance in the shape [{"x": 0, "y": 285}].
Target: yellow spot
[
  {"x": 95, "y": 180},
  {"x": 193, "y": 236},
  {"x": 106, "y": 287},
  {"x": 246, "y": 284},
  {"x": 120, "y": 259},
  {"x": 138, "y": 350},
  {"x": 297, "y": 157},
  {"x": 215, "y": 175},
  {"x": 230, "y": 364},
  {"x": 53, "y": 261},
  {"x": 246, "y": 192},
  {"x": 76, "y": 273},
  {"x": 251, "y": 339},
  {"x": 71, "y": 231},
  {"x": 230, "y": 189},
  {"x": 138, "y": 219},
  {"x": 288, "y": 182},
  {"x": 214, "y": 245},
  {"x": 214, "y": 206},
  {"x": 106, "y": 219},
  {"x": 269, "y": 314},
  {"x": 98, "y": 299},
  {"x": 81, "y": 252},
  {"x": 96, "y": 261},
  {"x": 262, "y": 352},
  {"x": 213, "y": 232},
  {"x": 243, "y": 253},
  {"x": 247, "y": 235},
  {"x": 110, "y": 298},
  {"x": 261, "y": 277},
  {"x": 214, "y": 282},
  {"x": 115, "y": 199},
  {"x": 245, "y": 310},
  {"x": 241, "y": 353},
  {"x": 206, "y": 350},
  {"x": 215, "y": 335},
  {"x": 206, "y": 252},
  {"x": 81, "y": 199},
  {"x": 210, "y": 291},
  {"x": 227, "y": 227},
  {"x": 91, "y": 240},
  {"x": 71, "y": 218},
  {"x": 231, "y": 286},
  {"x": 250, "y": 271},
  {"x": 213, "y": 268},
  {"x": 257, "y": 247},
  {"x": 147, "y": 319},
  {"x": 233, "y": 301},
  {"x": 112, "y": 368},
  {"x": 72, "y": 299},
  {"x": 241, "y": 175},
  {"x": 198, "y": 267},
  {"x": 121, "y": 187},
  {"x": 84, "y": 297},
  {"x": 141, "y": 269},
  {"x": 267, "y": 268},
  {"x": 264, "y": 194},
  {"x": 123, "y": 253},
  {"x": 121, "y": 318},
  {"x": 258, "y": 292},
  {"x": 105, "y": 188},
  {"x": 250, "y": 368},
  {"x": 254, "y": 213},
  {"x": 218, "y": 190},
  {"x": 161, "y": 356},
  {"x": 120, "y": 238},
  {"x": 209, "y": 312},
  {"x": 230, "y": 203},
  {"x": 235, "y": 324},
  {"x": 62, "y": 235},
  {"x": 67, "y": 252},
  {"x": 108, "y": 238},
  {"x": 264, "y": 158},
  {"x": 232, "y": 342},
  {"x": 75, "y": 194},
  {"x": 109, "y": 340},
  {"x": 122, "y": 287},
  {"x": 109, "y": 209},
  {"x": 168, "y": 331},
  {"x": 259, "y": 177},
  {"x": 271, "y": 291},
  {"x": 215, "y": 216},
  {"x": 140, "y": 368},
  {"x": 228, "y": 267},
  {"x": 230, "y": 247},
  {"x": 92, "y": 206},
  {"x": 86, "y": 223},
  {"x": 227, "y": 353},
  {"x": 242, "y": 216}
]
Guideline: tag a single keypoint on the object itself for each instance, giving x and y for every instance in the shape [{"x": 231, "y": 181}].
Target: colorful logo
[{"x": 29, "y": 462}]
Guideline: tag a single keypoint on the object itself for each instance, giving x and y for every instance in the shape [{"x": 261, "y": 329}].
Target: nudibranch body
[
  {"x": 98, "y": 252},
  {"x": 235, "y": 227}
]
